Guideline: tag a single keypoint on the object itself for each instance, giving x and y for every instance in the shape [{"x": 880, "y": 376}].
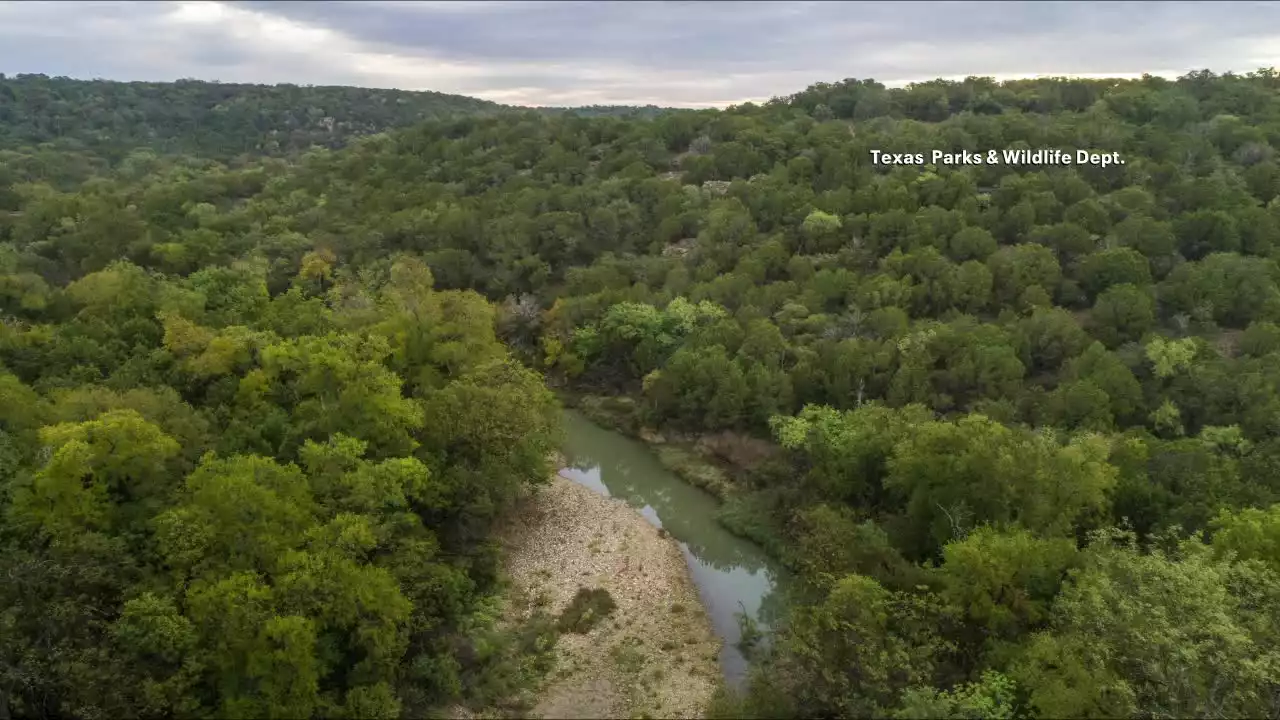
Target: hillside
[
  {"x": 618, "y": 111},
  {"x": 1027, "y": 417},
  {"x": 221, "y": 121},
  {"x": 214, "y": 120}
]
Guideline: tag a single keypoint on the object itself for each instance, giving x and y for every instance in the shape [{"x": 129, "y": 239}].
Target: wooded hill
[
  {"x": 221, "y": 121},
  {"x": 1026, "y": 418}
]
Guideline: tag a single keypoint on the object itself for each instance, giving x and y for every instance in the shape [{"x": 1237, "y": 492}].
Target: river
[{"x": 732, "y": 574}]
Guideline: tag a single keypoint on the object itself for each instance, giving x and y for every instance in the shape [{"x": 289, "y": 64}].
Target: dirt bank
[{"x": 655, "y": 655}]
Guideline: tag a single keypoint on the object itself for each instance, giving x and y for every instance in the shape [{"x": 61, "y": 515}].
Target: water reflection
[{"x": 732, "y": 574}]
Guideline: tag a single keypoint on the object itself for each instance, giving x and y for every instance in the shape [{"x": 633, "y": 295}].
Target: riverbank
[
  {"x": 655, "y": 655},
  {"x": 720, "y": 463},
  {"x": 715, "y": 462}
]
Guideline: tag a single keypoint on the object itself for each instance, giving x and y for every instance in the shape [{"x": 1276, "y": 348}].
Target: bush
[
  {"x": 751, "y": 516},
  {"x": 586, "y": 610},
  {"x": 507, "y": 663},
  {"x": 694, "y": 470}
]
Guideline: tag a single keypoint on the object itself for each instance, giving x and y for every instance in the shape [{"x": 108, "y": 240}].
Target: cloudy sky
[{"x": 685, "y": 54}]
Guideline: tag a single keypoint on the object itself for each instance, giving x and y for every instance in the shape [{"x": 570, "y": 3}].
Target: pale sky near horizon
[{"x": 681, "y": 54}]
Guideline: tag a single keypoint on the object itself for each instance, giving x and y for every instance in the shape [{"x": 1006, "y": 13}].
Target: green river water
[{"x": 732, "y": 574}]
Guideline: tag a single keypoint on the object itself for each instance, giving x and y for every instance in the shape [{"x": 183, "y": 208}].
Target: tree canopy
[{"x": 272, "y": 360}]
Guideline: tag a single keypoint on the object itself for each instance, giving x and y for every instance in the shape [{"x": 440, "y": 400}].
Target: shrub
[{"x": 586, "y": 610}]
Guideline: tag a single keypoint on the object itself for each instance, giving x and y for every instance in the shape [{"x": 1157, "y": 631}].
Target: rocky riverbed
[{"x": 656, "y": 654}]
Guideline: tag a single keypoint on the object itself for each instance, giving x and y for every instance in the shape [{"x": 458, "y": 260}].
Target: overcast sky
[{"x": 684, "y": 54}]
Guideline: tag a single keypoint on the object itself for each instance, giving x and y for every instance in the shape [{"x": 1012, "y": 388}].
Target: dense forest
[
  {"x": 221, "y": 121},
  {"x": 209, "y": 119},
  {"x": 258, "y": 418}
]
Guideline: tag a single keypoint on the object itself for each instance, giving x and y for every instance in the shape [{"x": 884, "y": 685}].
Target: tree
[
  {"x": 1113, "y": 266},
  {"x": 1135, "y": 630},
  {"x": 1261, "y": 338},
  {"x": 821, "y": 231},
  {"x": 1108, "y": 373},
  {"x": 161, "y": 643},
  {"x": 1089, "y": 214},
  {"x": 19, "y": 406},
  {"x": 831, "y": 543},
  {"x": 1123, "y": 313},
  {"x": 1003, "y": 583},
  {"x": 266, "y": 662},
  {"x": 238, "y": 515},
  {"x": 882, "y": 642},
  {"x": 1067, "y": 240},
  {"x": 107, "y": 475},
  {"x": 335, "y": 384},
  {"x": 1019, "y": 268},
  {"x": 994, "y": 696},
  {"x": 972, "y": 287},
  {"x": 971, "y": 243},
  {"x": 954, "y": 476},
  {"x": 499, "y": 420},
  {"x": 1153, "y": 238},
  {"x": 1049, "y": 338},
  {"x": 1232, "y": 289},
  {"x": 1169, "y": 357},
  {"x": 847, "y": 452},
  {"x": 1249, "y": 534},
  {"x": 1206, "y": 231}
]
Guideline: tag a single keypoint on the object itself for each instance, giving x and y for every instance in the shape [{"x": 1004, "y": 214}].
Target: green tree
[
  {"x": 954, "y": 476},
  {"x": 1249, "y": 534},
  {"x": 857, "y": 650},
  {"x": 1113, "y": 266},
  {"x": 1123, "y": 313},
  {"x": 1019, "y": 268},
  {"x": 1003, "y": 583},
  {"x": 971, "y": 243},
  {"x": 107, "y": 475},
  {"x": 1136, "y": 631}
]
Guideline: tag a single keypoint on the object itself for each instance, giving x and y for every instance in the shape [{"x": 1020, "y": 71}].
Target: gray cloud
[{"x": 670, "y": 53}]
